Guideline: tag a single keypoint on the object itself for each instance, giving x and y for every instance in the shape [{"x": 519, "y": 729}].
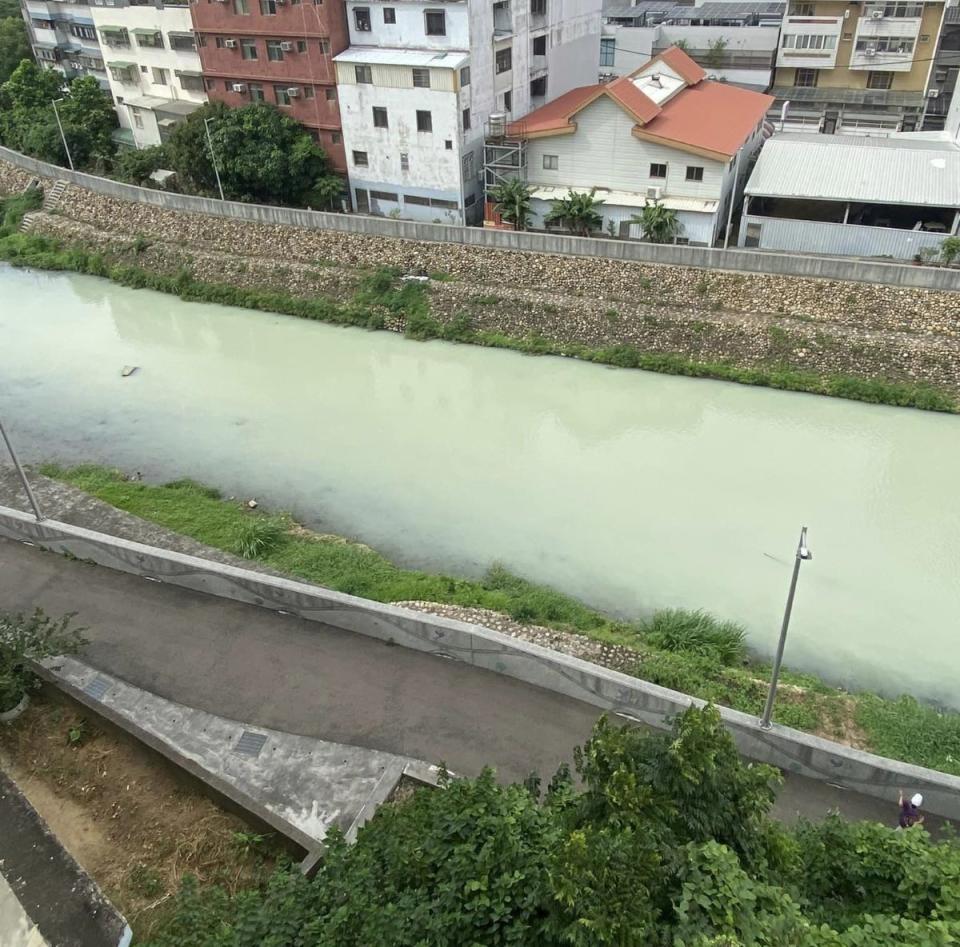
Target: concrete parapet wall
[
  {"x": 629, "y": 697},
  {"x": 737, "y": 260}
]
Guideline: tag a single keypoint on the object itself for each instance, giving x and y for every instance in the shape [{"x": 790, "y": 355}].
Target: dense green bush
[
  {"x": 665, "y": 842},
  {"x": 696, "y": 632}
]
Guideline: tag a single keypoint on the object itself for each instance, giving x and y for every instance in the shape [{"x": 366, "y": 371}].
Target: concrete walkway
[{"x": 246, "y": 663}]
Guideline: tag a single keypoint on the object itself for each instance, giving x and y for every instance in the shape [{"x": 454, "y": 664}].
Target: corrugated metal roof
[{"x": 873, "y": 170}]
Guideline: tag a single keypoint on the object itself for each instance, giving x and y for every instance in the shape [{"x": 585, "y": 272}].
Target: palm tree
[
  {"x": 658, "y": 223},
  {"x": 512, "y": 199},
  {"x": 578, "y": 211}
]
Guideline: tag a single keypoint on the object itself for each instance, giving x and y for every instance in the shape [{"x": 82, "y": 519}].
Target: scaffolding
[{"x": 504, "y": 156}]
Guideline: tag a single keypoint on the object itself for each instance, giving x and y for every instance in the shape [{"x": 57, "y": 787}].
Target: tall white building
[
  {"x": 63, "y": 38},
  {"x": 420, "y": 80},
  {"x": 151, "y": 60}
]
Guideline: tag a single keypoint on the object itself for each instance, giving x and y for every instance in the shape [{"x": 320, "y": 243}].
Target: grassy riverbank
[
  {"x": 684, "y": 650},
  {"x": 383, "y": 302}
]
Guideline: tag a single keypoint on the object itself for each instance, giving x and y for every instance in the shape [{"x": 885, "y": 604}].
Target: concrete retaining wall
[
  {"x": 748, "y": 261},
  {"x": 636, "y": 699}
]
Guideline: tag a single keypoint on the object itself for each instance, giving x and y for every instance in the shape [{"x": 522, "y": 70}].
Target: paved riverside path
[{"x": 282, "y": 672}]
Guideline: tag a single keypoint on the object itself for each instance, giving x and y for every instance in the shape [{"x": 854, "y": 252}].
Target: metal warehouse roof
[{"x": 854, "y": 168}]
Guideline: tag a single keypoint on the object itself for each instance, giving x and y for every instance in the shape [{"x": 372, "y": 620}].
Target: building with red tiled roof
[{"x": 664, "y": 133}]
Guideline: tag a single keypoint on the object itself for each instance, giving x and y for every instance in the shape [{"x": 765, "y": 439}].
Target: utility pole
[
  {"x": 63, "y": 137},
  {"x": 213, "y": 156},
  {"x": 802, "y": 555},
  {"x": 23, "y": 476}
]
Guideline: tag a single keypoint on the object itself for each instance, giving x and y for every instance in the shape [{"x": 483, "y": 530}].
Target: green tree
[
  {"x": 717, "y": 47},
  {"x": 512, "y": 199},
  {"x": 577, "y": 212},
  {"x": 658, "y": 224},
  {"x": 136, "y": 165},
  {"x": 14, "y": 45},
  {"x": 263, "y": 155},
  {"x": 326, "y": 193},
  {"x": 950, "y": 250}
]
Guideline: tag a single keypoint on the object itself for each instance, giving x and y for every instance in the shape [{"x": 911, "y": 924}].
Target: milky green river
[{"x": 629, "y": 490}]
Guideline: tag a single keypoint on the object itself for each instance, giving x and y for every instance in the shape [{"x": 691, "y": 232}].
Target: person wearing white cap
[{"x": 910, "y": 810}]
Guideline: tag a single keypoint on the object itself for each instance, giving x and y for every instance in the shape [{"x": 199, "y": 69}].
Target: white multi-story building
[
  {"x": 665, "y": 133},
  {"x": 420, "y": 80},
  {"x": 150, "y": 54},
  {"x": 63, "y": 37}
]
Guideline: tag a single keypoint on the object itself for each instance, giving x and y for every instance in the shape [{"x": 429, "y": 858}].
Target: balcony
[
  {"x": 809, "y": 42},
  {"x": 502, "y": 20},
  {"x": 538, "y": 65},
  {"x": 884, "y": 44}
]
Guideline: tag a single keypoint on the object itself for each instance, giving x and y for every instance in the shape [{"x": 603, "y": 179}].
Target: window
[
  {"x": 281, "y": 94},
  {"x": 879, "y": 80},
  {"x": 801, "y": 9},
  {"x": 436, "y": 22},
  {"x": 151, "y": 40},
  {"x": 159, "y": 76},
  {"x": 248, "y": 48},
  {"x": 466, "y": 119},
  {"x": 694, "y": 172},
  {"x": 360, "y": 159},
  {"x": 268, "y": 7},
  {"x": 538, "y": 87},
  {"x": 421, "y": 78},
  {"x": 331, "y": 94},
  {"x": 274, "y": 50},
  {"x": 192, "y": 83},
  {"x": 380, "y": 117},
  {"x": 83, "y": 32},
  {"x": 301, "y": 45},
  {"x": 308, "y": 92},
  {"x": 538, "y": 7},
  {"x": 137, "y": 118},
  {"x": 551, "y": 162},
  {"x": 424, "y": 121},
  {"x": 886, "y": 44},
  {"x": 182, "y": 41},
  {"x": 256, "y": 92},
  {"x": 805, "y": 78},
  {"x": 608, "y": 52},
  {"x": 361, "y": 19},
  {"x": 384, "y": 196},
  {"x": 241, "y": 7},
  {"x": 335, "y": 138},
  {"x": 325, "y": 46},
  {"x": 219, "y": 42},
  {"x": 211, "y": 84},
  {"x": 508, "y": 101},
  {"x": 465, "y": 76},
  {"x": 404, "y": 161},
  {"x": 808, "y": 41},
  {"x": 468, "y": 168},
  {"x": 504, "y": 60},
  {"x": 448, "y": 144},
  {"x": 540, "y": 45},
  {"x": 364, "y": 74},
  {"x": 363, "y": 197},
  {"x": 413, "y": 199},
  {"x": 389, "y": 15},
  {"x": 659, "y": 170}
]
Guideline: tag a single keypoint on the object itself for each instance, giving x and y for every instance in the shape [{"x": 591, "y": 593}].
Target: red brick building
[{"x": 277, "y": 51}]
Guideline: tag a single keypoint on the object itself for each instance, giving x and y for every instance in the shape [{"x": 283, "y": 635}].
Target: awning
[
  {"x": 181, "y": 34},
  {"x": 167, "y": 122},
  {"x": 140, "y": 32},
  {"x": 146, "y": 102},
  {"x": 121, "y": 65},
  {"x": 627, "y": 198},
  {"x": 112, "y": 29},
  {"x": 191, "y": 73}
]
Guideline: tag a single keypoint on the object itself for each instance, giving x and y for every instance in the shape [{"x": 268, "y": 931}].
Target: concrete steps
[
  {"x": 26, "y": 222},
  {"x": 52, "y": 197}
]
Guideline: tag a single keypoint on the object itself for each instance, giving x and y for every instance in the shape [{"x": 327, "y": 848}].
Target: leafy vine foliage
[{"x": 665, "y": 841}]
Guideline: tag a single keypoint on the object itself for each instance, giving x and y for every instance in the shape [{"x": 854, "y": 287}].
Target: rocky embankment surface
[{"x": 806, "y": 324}]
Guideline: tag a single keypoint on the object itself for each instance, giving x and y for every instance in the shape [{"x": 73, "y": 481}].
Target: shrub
[
  {"x": 696, "y": 632},
  {"x": 259, "y": 535}
]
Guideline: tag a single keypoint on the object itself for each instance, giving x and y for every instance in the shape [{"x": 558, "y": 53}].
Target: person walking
[{"x": 910, "y": 810}]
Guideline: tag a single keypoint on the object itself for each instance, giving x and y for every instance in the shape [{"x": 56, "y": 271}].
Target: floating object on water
[
  {"x": 128, "y": 370},
  {"x": 252, "y": 504}
]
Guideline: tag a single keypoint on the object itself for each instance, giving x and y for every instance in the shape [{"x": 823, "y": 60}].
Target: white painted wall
[
  {"x": 409, "y": 32},
  {"x": 142, "y": 83}
]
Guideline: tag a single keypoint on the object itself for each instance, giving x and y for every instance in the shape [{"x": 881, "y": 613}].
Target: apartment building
[
  {"x": 942, "y": 87},
  {"x": 421, "y": 79},
  {"x": 856, "y": 68},
  {"x": 276, "y": 51},
  {"x": 733, "y": 42},
  {"x": 665, "y": 133},
  {"x": 63, "y": 37},
  {"x": 153, "y": 69}
]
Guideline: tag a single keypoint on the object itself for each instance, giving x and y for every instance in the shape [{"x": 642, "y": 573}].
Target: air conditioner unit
[
  {"x": 933, "y": 93},
  {"x": 230, "y": 43},
  {"x": 293, "y": 91},
  {"x": 870, "y": 52},
  {"x": 654, "y": 193},
  {"x": 287, "y": 46},
  {"x": 876, "y": 14},
  {"x": 239, "y": 87}
]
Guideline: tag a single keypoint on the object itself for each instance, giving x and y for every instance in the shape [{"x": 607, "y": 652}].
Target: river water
[{"x": 630, "y": 490}]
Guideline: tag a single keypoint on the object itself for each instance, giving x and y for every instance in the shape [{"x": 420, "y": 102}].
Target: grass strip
[{"x": 689, "y": 651}]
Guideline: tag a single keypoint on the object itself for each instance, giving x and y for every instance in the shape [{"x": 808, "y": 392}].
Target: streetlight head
[{"x": 805, "y": 553}]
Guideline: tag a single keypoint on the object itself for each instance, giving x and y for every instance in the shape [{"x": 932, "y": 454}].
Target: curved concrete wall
[
  {"x": 788, "y": 749},
  {"x": 748, "y": 261}
]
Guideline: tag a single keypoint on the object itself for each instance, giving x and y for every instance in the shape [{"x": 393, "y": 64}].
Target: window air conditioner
[
  {"x": 654, "y": 193},
  {"x": 287, "y": 46},
  {"x": 876, "y": 14},
  {"x": 870, "y": 52},
  {"x": 230, "y": 43},
  {"x": 933, "y": 93},
  {"x": 293, "y": 91},
  {"x": 239, "y": 87}
]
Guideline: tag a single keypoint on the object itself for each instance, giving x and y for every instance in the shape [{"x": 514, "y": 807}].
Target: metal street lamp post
[
  {"x": 63, "y": 137},
  {"x": 23, "y": 476},
  {"x": 803, "y": 553},
  {"x": 213, "y": 157}
]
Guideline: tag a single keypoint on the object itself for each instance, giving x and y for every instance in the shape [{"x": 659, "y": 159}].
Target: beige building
[{"x": 855, "y": 68}]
